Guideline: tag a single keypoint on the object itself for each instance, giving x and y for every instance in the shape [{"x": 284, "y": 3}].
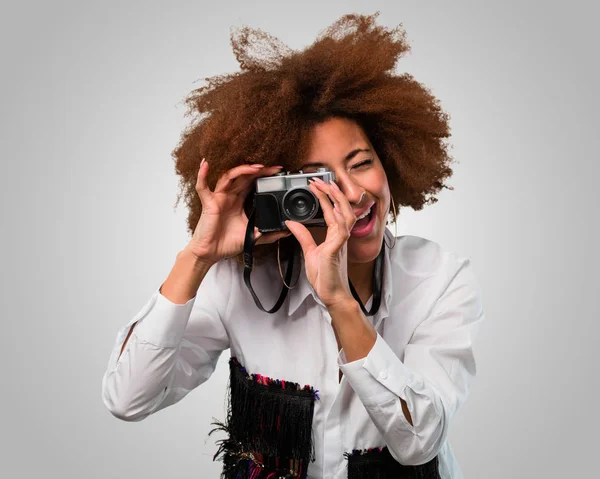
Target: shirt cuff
[
  {"x": 378, "y": 376},
  {"x": 162, "y": 322}
]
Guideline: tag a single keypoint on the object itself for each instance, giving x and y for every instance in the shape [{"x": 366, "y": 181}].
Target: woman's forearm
[{"x": 182, "y": 283}]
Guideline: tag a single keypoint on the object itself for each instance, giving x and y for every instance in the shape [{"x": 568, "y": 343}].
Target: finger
[
  {"x": 201, "y": 187},
  {"x": 343, "y": 231},
  {"x": 267, "y": 238},
  {"x": 307, "y": 243},
  {"x": 226, "y": 180},
  {"x": 340, "y": 229},
  {"x": 343, "y": 205},
  {"x": 257, "y": 235},
  {"x": 324, "y": 201},
  {"x": 339, "y": 234},
  {"x": 243, "y": 184}
]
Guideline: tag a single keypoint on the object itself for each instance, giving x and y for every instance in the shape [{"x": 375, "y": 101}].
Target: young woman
[{"x": 359, "y": 372}]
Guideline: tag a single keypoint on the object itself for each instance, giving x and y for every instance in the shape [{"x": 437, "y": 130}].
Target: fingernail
[
  {"x": 318, "y": 180},
  {"x": 202, "y": 162},
  {"x": 257, "y": 165},
  {"x": 335, "y": 186}
]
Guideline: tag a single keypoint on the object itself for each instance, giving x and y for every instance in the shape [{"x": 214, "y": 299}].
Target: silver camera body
[{"x": 287, "y": 196}]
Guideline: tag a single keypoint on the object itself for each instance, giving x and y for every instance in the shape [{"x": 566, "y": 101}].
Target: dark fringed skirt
[
  {"x": 269, "y": 429},
  {"x": 378, "y": 463}
]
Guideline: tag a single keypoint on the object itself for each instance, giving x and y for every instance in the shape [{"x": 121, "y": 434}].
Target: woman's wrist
[
  {"x": 201, "y": 264},
  {"x": 185, "y": 278}
]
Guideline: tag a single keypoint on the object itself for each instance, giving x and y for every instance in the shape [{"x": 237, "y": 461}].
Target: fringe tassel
[
  {"x": 378, "y": 463},
  {"x": 269, "y": 424}
]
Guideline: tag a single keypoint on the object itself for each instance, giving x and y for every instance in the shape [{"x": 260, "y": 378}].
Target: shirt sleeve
[
  {"x": 434, "y": 379},
  {"x": 173, "y": 349}
]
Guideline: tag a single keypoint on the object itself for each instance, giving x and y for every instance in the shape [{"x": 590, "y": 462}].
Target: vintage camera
[{"x": 286, "y": 196}]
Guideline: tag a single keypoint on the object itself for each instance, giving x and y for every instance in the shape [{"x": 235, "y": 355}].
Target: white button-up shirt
[{"x": 430, "y": 312}]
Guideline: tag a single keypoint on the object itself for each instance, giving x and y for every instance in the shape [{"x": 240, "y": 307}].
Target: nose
[{"x": 352, "y": 190}]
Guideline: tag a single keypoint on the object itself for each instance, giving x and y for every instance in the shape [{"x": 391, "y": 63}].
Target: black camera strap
[
  {"x": 377, "y": 284},
  {"x": 248, "y": 263},
  {"x": 248, "y": 247}
]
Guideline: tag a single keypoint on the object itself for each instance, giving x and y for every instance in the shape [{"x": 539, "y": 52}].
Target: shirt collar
[{"x": 303, "y": 289}]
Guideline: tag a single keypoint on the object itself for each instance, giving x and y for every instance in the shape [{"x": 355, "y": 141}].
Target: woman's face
[{"x": 342, "y": 146}]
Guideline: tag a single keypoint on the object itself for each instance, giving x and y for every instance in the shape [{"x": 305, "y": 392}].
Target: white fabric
[{"x": 430, "y": 313}]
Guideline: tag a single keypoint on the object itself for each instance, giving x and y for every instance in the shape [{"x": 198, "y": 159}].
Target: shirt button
[{"x": 383, "y": 375}]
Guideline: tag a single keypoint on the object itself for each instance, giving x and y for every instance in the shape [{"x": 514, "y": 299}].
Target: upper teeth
[{"x": 364, "y": 214}]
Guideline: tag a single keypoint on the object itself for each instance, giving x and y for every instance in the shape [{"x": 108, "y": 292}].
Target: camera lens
[{"x": 299, "y": 205}]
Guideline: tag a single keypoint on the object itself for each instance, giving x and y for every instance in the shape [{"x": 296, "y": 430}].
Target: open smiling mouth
[{"x": 365, "y": 225}]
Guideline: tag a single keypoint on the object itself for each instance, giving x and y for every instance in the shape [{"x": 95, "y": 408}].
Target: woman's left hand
[{"x": 327, "y": 264}]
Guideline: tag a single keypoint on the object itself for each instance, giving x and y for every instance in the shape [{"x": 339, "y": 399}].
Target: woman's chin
[{"x": 365, "y": 249}]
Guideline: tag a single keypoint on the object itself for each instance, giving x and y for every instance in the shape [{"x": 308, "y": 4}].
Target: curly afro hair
[{"x": 265, "y": 112}]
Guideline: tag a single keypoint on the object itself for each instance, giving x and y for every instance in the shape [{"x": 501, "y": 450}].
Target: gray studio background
[{"x": 91, "y": 108}]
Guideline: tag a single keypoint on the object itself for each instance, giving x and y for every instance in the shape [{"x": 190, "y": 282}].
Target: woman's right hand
[{"x": 221, "y": 230}]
